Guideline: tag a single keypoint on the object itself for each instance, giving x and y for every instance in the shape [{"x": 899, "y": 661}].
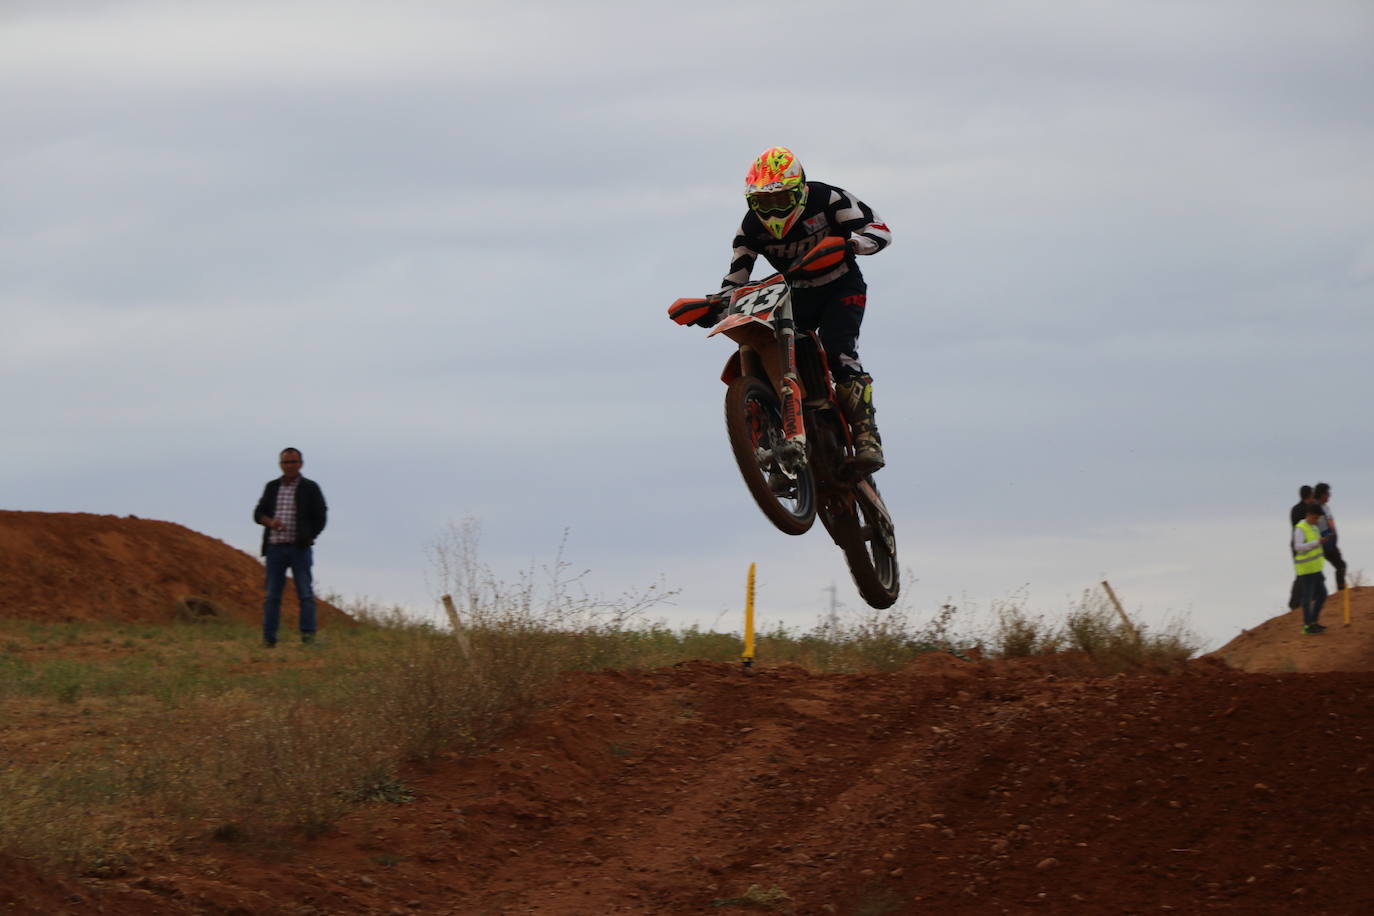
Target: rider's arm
[
  {"x": 742, "y": 260},
  {"x": 868, "y": 234}
]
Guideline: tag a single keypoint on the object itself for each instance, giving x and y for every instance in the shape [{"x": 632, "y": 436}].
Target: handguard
[
  {"x": 826, "y": 254},
  {"x": 690, "y": 311},
  {"x": 702, "y": 311}
]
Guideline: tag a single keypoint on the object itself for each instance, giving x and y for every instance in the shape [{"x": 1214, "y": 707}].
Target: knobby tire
[
  {"x": 788, "y": 516},
  {"x": 870, "y": 549}
]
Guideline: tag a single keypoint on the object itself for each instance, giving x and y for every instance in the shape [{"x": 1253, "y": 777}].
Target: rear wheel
[
  {"x": 754, "y": 424},
  {"x": 864, "y": 532}
]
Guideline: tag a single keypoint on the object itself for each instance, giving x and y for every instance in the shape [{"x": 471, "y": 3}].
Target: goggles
[{"x": 773, "y": 201}]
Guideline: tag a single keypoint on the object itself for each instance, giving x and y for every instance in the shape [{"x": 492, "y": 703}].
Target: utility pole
[{"x": 834, "y": 619}]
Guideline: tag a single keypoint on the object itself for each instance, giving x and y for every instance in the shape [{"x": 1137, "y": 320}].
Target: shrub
[{"x": 1018, "y": 635}]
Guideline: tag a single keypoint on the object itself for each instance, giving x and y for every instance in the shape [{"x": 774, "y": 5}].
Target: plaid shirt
[{"x": 285, "y": 513}]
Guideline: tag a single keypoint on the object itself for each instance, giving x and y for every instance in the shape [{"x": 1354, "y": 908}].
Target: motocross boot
[{"x": 856, "y": 401}]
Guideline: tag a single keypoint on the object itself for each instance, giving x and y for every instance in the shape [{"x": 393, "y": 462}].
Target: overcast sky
[{"x": 1126, "y": 312}]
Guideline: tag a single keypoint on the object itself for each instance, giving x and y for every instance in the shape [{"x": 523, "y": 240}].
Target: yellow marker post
[{"x": 748, "y": 657}]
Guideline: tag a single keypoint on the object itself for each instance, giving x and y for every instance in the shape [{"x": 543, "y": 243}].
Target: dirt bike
[{"x": 788, "y": 433}]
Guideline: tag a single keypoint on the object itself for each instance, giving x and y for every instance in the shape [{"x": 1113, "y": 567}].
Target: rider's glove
[{"x": 710, "y": 318}]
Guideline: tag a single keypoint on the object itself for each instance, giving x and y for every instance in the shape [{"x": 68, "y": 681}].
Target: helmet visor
[{"x": 773, "y": 201}]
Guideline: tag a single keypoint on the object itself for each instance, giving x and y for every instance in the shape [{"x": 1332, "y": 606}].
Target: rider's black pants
[{"x": 836, "y": 310}]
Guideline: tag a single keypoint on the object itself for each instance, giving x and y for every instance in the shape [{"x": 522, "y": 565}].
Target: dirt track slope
[
  {"x": 58, "y": 567},
  {"x": 954, "y": 787},
  {"x": 1279, "y": 645}
]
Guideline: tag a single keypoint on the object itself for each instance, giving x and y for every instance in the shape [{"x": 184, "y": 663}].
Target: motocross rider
[{"x": 787, "y": 216}]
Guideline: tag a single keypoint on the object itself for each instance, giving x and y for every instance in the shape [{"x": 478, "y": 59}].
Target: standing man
[
  {"x": 1322, "y": 494},
  {"x": 1295, "y": 515},
  {"x": 292, "y": 514},
  {"x": 1307, "y": 563}
]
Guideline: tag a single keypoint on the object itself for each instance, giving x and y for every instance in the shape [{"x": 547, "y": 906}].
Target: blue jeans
[
  {"x": 1312, "y": 589},
  {"x": 280, "y": 558}
]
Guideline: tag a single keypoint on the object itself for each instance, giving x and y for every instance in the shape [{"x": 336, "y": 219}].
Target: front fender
[
  {"x": 743, "y": 361},
  {"x": 732, "y": 368}
]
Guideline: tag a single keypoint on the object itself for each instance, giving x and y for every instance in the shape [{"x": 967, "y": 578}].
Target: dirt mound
[
  {"x": 68, "y": 566},
  {"x": 952, "y": 787},
  {"x": 1278, "y": 645}
]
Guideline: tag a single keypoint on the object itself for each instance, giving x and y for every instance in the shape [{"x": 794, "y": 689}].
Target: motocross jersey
[{"x": 828, "y": 211}]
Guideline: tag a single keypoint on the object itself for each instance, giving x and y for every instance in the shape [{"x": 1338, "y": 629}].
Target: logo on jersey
[
  {"x": 793, "y": 250},
  {"x": 814, "y": 224}
]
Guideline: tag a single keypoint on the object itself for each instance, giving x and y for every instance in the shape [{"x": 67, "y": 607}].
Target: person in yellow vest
[
  {"x": 1295, "y": 515},
  {"x": 1307, "y": 563}
]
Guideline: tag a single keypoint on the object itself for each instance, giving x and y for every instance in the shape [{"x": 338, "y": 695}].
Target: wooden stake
[
  {"x": 458, "y": 632},
  {"x": 1121, "y": 611}
]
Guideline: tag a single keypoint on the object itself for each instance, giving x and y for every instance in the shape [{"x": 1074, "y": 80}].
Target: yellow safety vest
[{"x": 1309, "y": 561}]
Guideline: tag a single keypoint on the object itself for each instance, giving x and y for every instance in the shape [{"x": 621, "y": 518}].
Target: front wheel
[
  {"x": 860, "y": 525},
  {"x": 753, "y": 422}
]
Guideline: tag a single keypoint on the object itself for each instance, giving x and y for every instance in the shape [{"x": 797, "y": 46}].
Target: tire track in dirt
[
  {"x": 729, "y": 776},
  {"x": 976, "y": 789}
]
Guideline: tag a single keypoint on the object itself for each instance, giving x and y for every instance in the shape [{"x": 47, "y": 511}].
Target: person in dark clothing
[
  {"x": 1295, "y": 515},
  {"x": 292, "y": 513},
  {"x": 1321, "y": 493},
  {"x": 1299, "y": 510}
]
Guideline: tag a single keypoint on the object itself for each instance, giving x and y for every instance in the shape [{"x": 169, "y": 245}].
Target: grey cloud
[{"x": 435, "y": 248}]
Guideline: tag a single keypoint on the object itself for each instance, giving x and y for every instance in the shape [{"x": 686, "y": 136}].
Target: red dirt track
[{"x": 951, "y": 787}]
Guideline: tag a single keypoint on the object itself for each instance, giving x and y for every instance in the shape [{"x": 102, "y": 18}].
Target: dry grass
[
  {"x": 272, "y": 744},
  {"x": 1094, "y": 628},
  {"x": 866, "y": 640}
]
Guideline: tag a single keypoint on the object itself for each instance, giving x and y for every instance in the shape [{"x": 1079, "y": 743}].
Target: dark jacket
[{"x": 310, "y": 511}]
